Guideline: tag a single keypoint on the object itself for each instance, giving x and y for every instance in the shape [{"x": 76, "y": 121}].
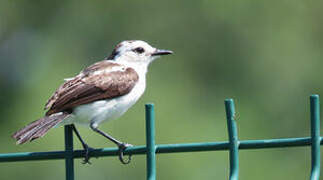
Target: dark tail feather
[{"x": 38, "y": 128}]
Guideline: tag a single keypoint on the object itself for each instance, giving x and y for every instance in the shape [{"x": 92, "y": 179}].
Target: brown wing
[{"x": 96, "y": 82}]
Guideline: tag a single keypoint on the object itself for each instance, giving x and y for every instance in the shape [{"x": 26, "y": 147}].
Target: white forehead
[{"x": 130, "y": 45}]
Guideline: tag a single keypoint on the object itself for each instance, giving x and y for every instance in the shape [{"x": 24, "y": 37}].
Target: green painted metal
[
  {"x": 162, "y": 148},
  {"x": 315, "y": 134},
  {"x": 69, "y": 160},
  {"x": 233, "y": 139},
  {"x": 150, "y": 141},
  {"x": 233, "y": 145}
]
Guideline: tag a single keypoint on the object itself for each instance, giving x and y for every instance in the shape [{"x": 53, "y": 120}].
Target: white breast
[{"x": 105, "y": 110}]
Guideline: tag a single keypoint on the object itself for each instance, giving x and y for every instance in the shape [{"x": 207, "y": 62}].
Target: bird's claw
[
  {"x": 123, "y": 147},
  {"x": 87, "y": 157}
]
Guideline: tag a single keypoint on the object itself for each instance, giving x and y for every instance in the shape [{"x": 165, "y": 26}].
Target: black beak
[{"x": 160, "y": 52}]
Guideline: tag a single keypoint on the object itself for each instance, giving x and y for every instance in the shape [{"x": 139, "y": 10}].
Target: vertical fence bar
[
  {"x": 69, "y": 160},
  {"x": 315, "y": 134},
  {"x": 150, "y": 142},
  {"x": 233, "y": 139}
]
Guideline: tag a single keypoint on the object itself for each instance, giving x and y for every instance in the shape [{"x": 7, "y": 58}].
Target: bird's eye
[{"x": 139, "y": 50}]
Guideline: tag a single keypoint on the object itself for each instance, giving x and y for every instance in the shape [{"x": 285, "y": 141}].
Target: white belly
[{"x": 105, "y": 110}]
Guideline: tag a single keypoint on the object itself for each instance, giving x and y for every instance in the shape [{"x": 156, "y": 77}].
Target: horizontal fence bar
[{"x": 162, "y": 148}]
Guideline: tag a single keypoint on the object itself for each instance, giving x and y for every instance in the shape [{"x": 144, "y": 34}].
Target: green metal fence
[{"x": 233, "y": 145}]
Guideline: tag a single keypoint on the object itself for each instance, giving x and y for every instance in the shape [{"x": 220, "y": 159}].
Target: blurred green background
[{"x": 265, "y": 55}]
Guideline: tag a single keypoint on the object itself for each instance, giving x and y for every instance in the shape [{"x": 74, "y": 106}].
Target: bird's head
[{"x": 136, "y": 51}]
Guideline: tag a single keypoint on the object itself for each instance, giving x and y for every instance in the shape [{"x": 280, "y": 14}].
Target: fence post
[
  {"x": 233, "y": 139},
  {"x": 69, "y": 160},
  {"x": 315, "y": 136},
  {"x": 150, "y": 142}
]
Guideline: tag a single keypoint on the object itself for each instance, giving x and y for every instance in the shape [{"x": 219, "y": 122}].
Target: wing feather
[{"x": 94, "y": 83}]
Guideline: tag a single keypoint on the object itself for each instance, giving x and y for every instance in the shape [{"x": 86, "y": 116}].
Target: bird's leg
[
  {"x": 86, "y": 148},
  {"x": 122, "y": 146}
]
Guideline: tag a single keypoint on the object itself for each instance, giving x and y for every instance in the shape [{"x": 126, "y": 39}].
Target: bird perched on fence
[{"x": 101, "y": 92}]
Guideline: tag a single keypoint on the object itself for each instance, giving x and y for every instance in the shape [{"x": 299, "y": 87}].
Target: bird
[{"x": 101, "y": 92}]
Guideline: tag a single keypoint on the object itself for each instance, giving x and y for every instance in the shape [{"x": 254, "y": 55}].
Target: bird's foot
[
  {"x": 122, "y": 147},
  {"x": 87, "y": 157}
]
